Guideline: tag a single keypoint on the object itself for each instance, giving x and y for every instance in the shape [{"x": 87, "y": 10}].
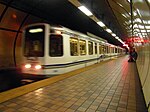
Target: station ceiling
[{"x": 115, "y": 14}]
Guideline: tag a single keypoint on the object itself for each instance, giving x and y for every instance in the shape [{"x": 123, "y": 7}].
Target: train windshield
[{"x": 34, "y": 41}]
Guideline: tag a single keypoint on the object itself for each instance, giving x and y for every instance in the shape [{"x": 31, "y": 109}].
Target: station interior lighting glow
[
  {"x": 85, "y": 10},
  {"x": 108, "y": 30},
  {"x": 94, "y": 18},
  {"x": 101, "y": 24}
]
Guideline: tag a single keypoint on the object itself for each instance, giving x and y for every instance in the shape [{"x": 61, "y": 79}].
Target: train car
[{"x": 52, "y": 50}]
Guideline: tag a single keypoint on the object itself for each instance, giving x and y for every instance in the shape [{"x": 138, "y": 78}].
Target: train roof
[
  {"x": 77, "y": 33},
  {"x": 68, "y": 31}
]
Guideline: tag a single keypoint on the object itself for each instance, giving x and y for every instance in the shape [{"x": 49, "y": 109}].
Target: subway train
[{"x": 53, "y": 50}]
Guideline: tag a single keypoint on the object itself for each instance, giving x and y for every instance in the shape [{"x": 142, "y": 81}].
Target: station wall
[
  {"x": 143, "y": 65},
  {"x": 12, "y": 22}
]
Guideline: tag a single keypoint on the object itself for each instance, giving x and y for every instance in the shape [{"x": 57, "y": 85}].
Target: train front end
[{"x": 33, "y": 49}]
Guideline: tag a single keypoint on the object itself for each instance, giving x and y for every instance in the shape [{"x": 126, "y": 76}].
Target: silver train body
[{"x": 50, "y": 50}]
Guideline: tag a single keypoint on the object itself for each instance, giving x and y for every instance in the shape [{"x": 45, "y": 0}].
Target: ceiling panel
[
  {"x": 138, "y": 26},
  {"x": 108, "y": 11}
]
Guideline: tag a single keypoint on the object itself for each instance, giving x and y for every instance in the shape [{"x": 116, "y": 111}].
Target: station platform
[{"x": 110, "y": 86}]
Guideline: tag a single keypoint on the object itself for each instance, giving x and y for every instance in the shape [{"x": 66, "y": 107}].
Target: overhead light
[
  {"x": 139, "y": 12},
  {"x": 147, "y": 27},
  {"x": 141, "y": 27},
  {"x": 113, "y": 34},
  {"x": 138, "y": 20},
  {"x": 134, "y": 13},
  {"x": 135, "y": 26},
  {"x": 137, "y": 30},
  {"x": 128, "y": 1},
  {"x": 125, "y": 45},
  {"x": 120, "y": 4},
  {"x": 124, "y": 15},
  {"x": 101, "y": 24},
  {"x": 143, "y": 31},
  {"x": 116, "y": 37},
  {"x": 148, "y": 30},
  {"x": 108, "y": 30},
  {"x": 85, "y": 10},
  {"x": 130, "y": 26},
  {"x": 146, "y": 21},
  {"x": 127, "y": 22}
]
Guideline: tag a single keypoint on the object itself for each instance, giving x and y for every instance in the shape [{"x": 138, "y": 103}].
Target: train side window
[
  {"x": 111, "y": 49},
  {"x": 115, "y": 50},
  {"x": 103, "y": 49},
  {"x": 100, "y": 49},
  {"x": 82, "y": 47},
  {"x": 90, "y": 47},
  {"x": 95, "y": 48},
  {"x": 107, "y": 49},
  {"x": 56, "y": 45},
  {"x": 74, "y": 46}
]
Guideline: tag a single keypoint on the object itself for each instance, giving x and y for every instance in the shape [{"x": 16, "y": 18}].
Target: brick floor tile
[{"x": 113, "y": 86}]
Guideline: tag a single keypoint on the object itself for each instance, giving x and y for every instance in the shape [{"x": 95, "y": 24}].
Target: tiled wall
[{"x": 12, "y": 22}]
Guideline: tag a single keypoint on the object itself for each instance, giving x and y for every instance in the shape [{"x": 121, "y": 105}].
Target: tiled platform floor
[{"x": 111, "y": 87}]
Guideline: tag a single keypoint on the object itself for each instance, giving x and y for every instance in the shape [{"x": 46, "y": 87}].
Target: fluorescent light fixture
[
  {"x": 129, "y": 21},
  {"x": 130, "y": 26},
  {"x": 37, "y": 30},
  {"x": 120, "y": 4},
  {"x": 138, "y": 20},
  {"x": 141, "y": 27},
  {"x": 143, "y": 31},
  {"x": 135, "y": 26},
  {"x": 137, "y": 30},
  {"x": 126, "y": 22},
  {"x": 124, "y": 15},
  {"x": 148, "y": 30},
  {"x": 119, "y": 39},
  {"x": 139, "y": 12},
  {"x": 145, "y": 22},
  {"x": 85, "y": 10},
  {"x": 147, "y": 27},
  {"x": 101, "y": 24},
  {"x": 108, "y": 30},
  {"x": 116, "y": 37},
  {"x": 113, "y": 34},
  {"x": 134, "y": 13}
]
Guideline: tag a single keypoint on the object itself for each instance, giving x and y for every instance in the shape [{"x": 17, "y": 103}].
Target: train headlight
[
  {"x": 38, "y": 67},
  {"x": 28, "y": 66}
]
